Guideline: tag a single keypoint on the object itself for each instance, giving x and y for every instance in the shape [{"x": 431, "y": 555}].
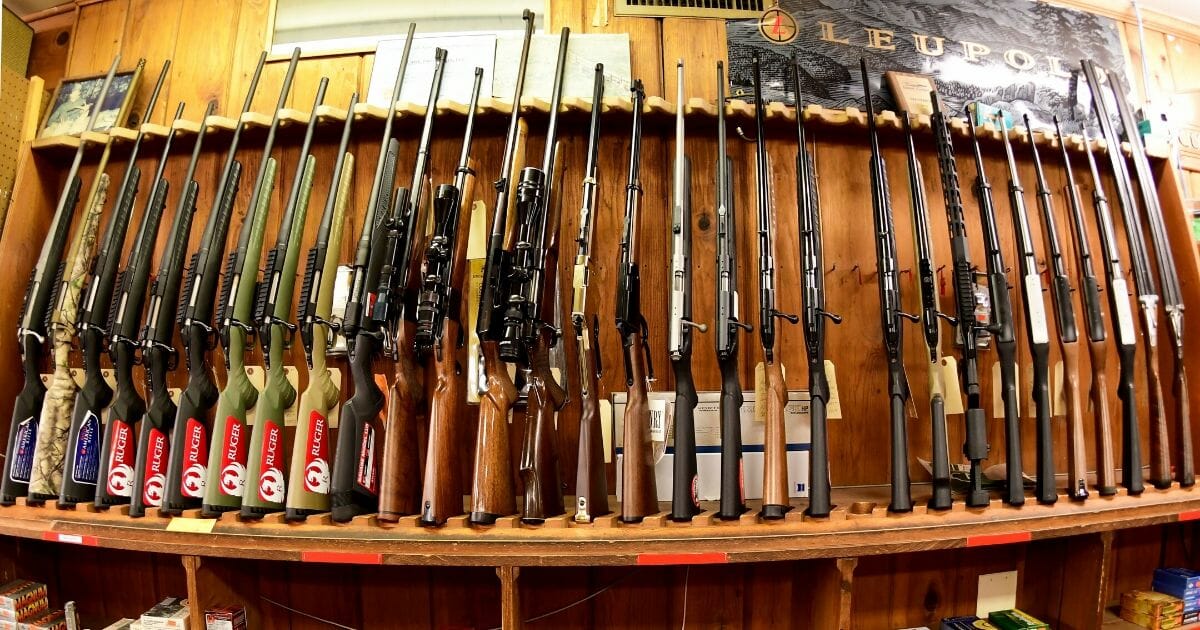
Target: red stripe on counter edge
[
  {"x": 1190, "y": 515},
  {"x": 998, "y": 539},
  {"x": 658, "y": 559},
  {"x": 71, "y": 539},
  {"x": 339, "y": 557}
]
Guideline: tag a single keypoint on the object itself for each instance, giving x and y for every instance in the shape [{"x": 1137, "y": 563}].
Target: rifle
[
  {"x": 639, "y": 495},
  {"x": 266, "y": 468},
  {"x": 49, "y": 449},
  {"x": 535, "y": 266},
  {"x": 975, "y": 448},
  {"x": 492, "y": 493},
  {"x": 395, "y": 312},
  {"x": 1068, "y": 331},
  {"x": 591, "y": 483},
  {"x": 354, "y": 486},
  {"x": 1172, "y": 298},
  {"x": 684, "y": 501},
  {"x": 1093, "y": 319},
  {"x": 308, "y": 479},
  {"x": 775, "y": 485},
  {"x": 890, "y": 305},
  {"x": 1001, "y": 325},
  {"x": 32, "y": 330},
  {"x": 438, "y": 338},
  {"x": 84, "y": 435},
  {"x": 930, "y": 312},
  {"x": 118, "y": 452},
  {"x": 1035, "y": 325},
  {"x": 813, "y": 313},
  {"x": 1160, "y": 459},
  {"x": 195, "y": 318},
  {"x": 733, "y": 492},
  {"x": 1119, "y": 308}
]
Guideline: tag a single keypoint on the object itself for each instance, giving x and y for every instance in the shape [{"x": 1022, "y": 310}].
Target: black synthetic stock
[
  {"x": 684, "y": 501},
  {"x": 349, "y": 498},
  {"x": 733, "y": 495}
]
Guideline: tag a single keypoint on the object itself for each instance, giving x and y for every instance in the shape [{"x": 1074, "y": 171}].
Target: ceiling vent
[{"x": 722, "y": 9}]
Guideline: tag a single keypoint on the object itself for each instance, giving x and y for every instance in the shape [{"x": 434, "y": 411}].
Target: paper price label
[
  {"x": 1038, "y": 333},
  {"x": 953, "y": 397},
  {"x": 658, "y": 420},
  {"x": 760, "y": 392},
  {"x": 833, "y": 407},
  {"x": 606, "y": 428},
  {"x": 192, "y": 525}
]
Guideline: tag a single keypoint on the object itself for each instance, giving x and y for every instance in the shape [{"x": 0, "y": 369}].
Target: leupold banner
[{"x": 1022, "y": 56}]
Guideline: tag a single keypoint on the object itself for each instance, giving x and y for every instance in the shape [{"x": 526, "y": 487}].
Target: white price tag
[
  {"x": 833, "y": 407},
  {"x": 606, "y": 428},
  {"x": 1124, "y": 312},
  {"x": 658, "y": 420},
  {"x": 953, "y": 391},
  {"x": 1036, "y": 304},
  {"x": 1058, "y": 398}
]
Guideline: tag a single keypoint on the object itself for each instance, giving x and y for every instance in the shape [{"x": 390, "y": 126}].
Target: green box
[{"x": 1016, "y": 620}]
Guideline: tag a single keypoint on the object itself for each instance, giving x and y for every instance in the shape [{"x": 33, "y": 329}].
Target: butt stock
[{"x": 640, "y": 493}]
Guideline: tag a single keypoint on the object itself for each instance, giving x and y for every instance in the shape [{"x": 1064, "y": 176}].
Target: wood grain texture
[{"x": 97, "y": 38}]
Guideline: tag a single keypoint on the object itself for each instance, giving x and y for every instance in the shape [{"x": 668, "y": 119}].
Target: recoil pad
[{"x": 189, "y": 282}]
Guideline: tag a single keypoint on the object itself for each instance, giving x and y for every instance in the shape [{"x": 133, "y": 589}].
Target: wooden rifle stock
[
  {"x": 539, "y": 456},
  {"x": 775, "y": 482},
  {"x": 640, "y": 491},
  {"x": 1185, "y": 474},
  {"x": 591, "y": 482},
  {"x": 400, "y": 474},
  {"x": 1160, "y": 454},
  {"x": 1106, "y": 474},
  {"x": 1076, "y": 454},
  {"x": 492, "y": 493}
]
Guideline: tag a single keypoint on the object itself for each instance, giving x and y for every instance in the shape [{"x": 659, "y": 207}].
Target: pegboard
[{"x": 12, "y": 110}]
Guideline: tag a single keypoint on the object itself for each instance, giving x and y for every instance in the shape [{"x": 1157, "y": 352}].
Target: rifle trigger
[
  {"x": 909, "y": 316},
  {"x": 736, "y": 324},
  {"x": 690, "y": 324},
  {"x": 953, "y": 321}
]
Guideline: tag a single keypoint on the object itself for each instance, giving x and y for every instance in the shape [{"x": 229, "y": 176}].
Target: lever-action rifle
[
  {"x": 975, "y": 448},
  {"x": 82, "y": 463},
  {"x": 1001, "y": 325},
  {"x": 1035, "y": 324},
  {"x": 266, "y": 468},
  {"x": 438, "y": 339},
  {"x": 728, "y": 324},
  {"x": 119, "y": 451},
  {"x": 591, "y": 484},
  {"x": 492, "y": 494},
  {"x": 685, "y": 503},
  {"x": 31, "y": 333},
  {"x": 195, "y": 316},
  {"x": 775, "y": 484},
  {"x": 1168, "y": 275},
  {"x": 1122, "y": 314},
  {"x": 812, "y": 309},
  {"x": 354, "y": 487},
  {"x": 393, "y": 313},
  {"x": 308, "y": 479},
  {"x": 892, "y": 317},
  {"x": 1093, "y": 319},
  {"x": 1068, "y": 331},
  {"x": 639, "y": 495},
  {"x": 930, "y": 314}
]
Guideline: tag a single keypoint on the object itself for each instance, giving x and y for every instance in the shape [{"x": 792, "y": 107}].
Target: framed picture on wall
[{"x": 75, "y": 99}]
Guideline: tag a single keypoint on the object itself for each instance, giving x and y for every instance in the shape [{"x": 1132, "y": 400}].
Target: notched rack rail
[
  {"x": 859, "y": 526},
  {"x": 656, "y": 108}
]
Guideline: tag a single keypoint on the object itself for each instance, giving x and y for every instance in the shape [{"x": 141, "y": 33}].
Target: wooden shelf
[{"x": 859, "y": 526}]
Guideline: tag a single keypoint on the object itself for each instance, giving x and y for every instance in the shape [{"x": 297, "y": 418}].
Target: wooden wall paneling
[
  {"x": 679, "y": 37},
  {"x": 198, "y": 73},
  {"x": 380, "y": 597},
  {"x": 364, "y": 75},
  {"x": 1136, "y": 553},
  {"x": 151, "y": 32},
  {"x": 624, "y": 605},
  {"x": 249, "y": 41},
  {"x": 343, "y": 74},
  {"x": 48, "y": 55},
  {"x": 1064, "y": 580},
  {"x": 269, "y": 84},
  {"x": 1160, "y": 81},
  {"x": 464, "y": 597},
  {"x": 98, "y": 33},
  {"x": 221, "y": 582},
  {"x": 547, "y": 589}
]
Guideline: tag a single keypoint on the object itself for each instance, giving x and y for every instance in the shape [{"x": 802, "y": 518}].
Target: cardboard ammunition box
[
  {"x": 1190, "y": 597},
  {"x": 1151, "y": 603},
  {"x": 120, "y": 624},
  {"x": 19, "y": 594},
  {"x": 169, "y": 614},
  {"x": 1151, "y": 622},
  {"x": 1016, "y": 620},
  {"x": 225, "y": 618},
  {"x": 28, "y": 610},
  {"x": 968, "y": 622},
  {"x": 1181, "y": 579},
  {"x": 52, "y": 620},
  {"x": 1190, "y": 618}
]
